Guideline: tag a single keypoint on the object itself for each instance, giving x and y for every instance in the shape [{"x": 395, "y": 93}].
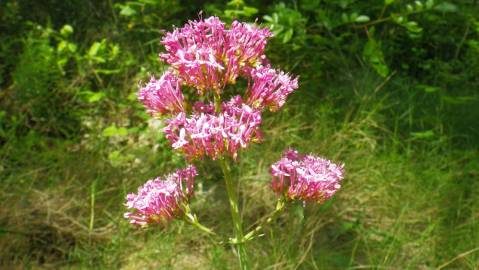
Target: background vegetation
[{"x": 390, "y": 87}]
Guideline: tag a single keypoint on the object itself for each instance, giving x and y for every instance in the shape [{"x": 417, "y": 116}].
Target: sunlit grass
[{"x": 403, "y": 205}]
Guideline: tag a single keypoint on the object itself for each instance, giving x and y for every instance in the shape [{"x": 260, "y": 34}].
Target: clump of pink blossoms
[
  {"x": 270, "y": 88},
  {"x": 211, "y": 58},
  {"x": 162, "y": 96},
  {"x": 306, "y": 177},
  {"x": 209, "y": 134},
  {"x": 160, "y": 200},
  {"x": 207, "y": 56}
]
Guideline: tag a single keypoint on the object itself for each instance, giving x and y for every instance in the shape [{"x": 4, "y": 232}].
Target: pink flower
[
  {"x": 270, "y": 88},
  {"x": 161, "y": 200},
  {"x": 207, "y": 56},
  {"x": 247, "y": 43},
  {"x": 207, "y": 134},
  {"x": 195, "y": 50},
  {"x": 162, "y": 96},
  {"x": 200, "y": 107},
  {"x": 306, "y": 177}
]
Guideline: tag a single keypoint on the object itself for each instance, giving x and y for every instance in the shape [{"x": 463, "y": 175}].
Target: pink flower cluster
[
  {"x": 160, "y": 200},
  {"x": 208, "y": 56},
  {"x": 207, "y": 134},
  {"x": 306, "y": 177},
  {"x": 270, "y": 88},
  {"x": 205, "y": 55},
  {"x": 162, "y": 96}
]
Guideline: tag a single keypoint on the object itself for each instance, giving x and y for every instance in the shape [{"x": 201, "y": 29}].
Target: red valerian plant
[{"x": 208, "y": 56}]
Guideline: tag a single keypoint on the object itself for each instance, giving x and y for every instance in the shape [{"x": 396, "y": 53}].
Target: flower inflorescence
[
  {"x": 207, "y": 56},
  {"x": 160, "y": 200},
  {"x": 162, "y": 96},
  {"x": 209, "y": 134},
  {"x": 306, "y": 177}
]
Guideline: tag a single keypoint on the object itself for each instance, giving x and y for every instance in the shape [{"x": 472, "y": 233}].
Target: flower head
[
  {"x": 207, "y": 134},
  {"x": 162, "y": 96},
  {"x": 270, "y": 88},
  {"x": 160, "y": 200},
  {"x": 207, "y": 56},
  {"x": 244, "y": 49},
  {"x": 194, "y": 52},
  {"x": 306, "y": 177}
]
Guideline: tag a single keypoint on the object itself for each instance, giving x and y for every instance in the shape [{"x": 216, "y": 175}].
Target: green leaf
[
  {"x": 353, "y": 16},
  {"x": 132, "y": 96},
  {"x": 429, "y": 4},
  {"x": 428, "y": 88},
  {"x": 458, "y": 100},
  {"x": 95, "y": 97},
  {"x": 250, "y": 11},
  {"x": 72, "y": 47},
  {"x": 114, "y": 131},
  {"x": 109, "y": 131},
  {"x": 235, "y": 3},
  {"x": 423, "y": 135},
  {"x": 362, "y": 19},
  {"x": 94, "y": 49},
  {"x": 127, "y": 11},
  {"x": 268, "y": 18},
  {"x": 373, "y": 54},
  {"x": 344, "y": 3},
  {"x": 62, "y": 45},
  {"x": 413, "y": 27},
  {"x": 107, "y": 71},
  {"x": 66, "y": 30},
  {"x": 446, "y": 7},
  {"x": 288, "y": 35},
  {"x": 419, "y": 5},
  {"x": 114, "y": 51},
  {"x": 61, "y": 62},
  {"x": 388, "y": 2},
  {"x": 276, "y": 18},
  {"x": 122, "y": 131},
  {"x": 397, "y": 19}
]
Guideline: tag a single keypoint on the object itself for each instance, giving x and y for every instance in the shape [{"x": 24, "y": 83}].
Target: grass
[{"x": 405, "y": 203}]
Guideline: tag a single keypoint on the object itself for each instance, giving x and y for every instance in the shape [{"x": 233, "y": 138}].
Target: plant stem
[
  {"x": 280, "y": 205},
  {"x": 92, "y": 210},
  {"x": 233, "y": 199},
  {"x": 217, "y": 99},
  {"x": 191, "y": 219}
]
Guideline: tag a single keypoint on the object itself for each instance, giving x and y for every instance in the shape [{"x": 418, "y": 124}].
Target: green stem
[
  {"x": 280, "y": 205},
  {"x": 217, "y": 100},
  {"x": 238, "y": 229},
  {"x": 191, "y": 219}
]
